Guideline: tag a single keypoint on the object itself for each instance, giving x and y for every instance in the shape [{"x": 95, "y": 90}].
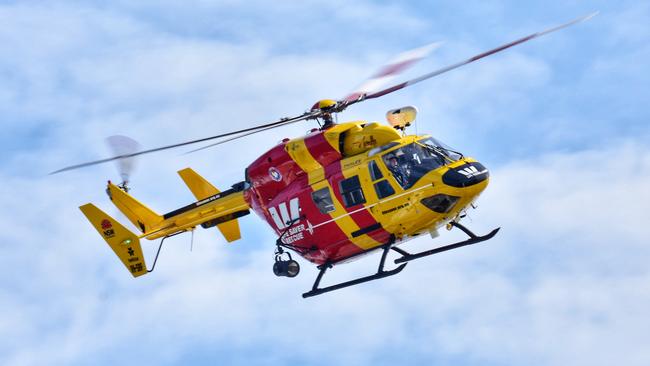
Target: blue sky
[{"x": 562, "y": 122}]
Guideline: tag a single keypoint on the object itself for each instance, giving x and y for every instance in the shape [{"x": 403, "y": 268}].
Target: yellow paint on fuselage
[
  {"x": 402, "y": 213},
  {"x": 343, "y": 219},
  {"x": 297, "y": 150}
]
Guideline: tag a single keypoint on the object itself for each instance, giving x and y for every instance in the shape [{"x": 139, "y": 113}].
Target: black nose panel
[
  {"x": 465, "y": 175},
  {"x": 440, "y": 203}
]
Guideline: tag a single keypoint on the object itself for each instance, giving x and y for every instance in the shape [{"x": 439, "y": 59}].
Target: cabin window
[
  {"x": 375, "y": 173},
  {"x": 323, "y": 200},
  {"x": 351, "y": 191},
  {"x": 383, "y": 189}
]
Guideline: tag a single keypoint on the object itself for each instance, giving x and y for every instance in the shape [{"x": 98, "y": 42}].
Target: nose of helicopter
[
  {"x": 464, "y": 181},
  {"x": 466, "y": 175}
]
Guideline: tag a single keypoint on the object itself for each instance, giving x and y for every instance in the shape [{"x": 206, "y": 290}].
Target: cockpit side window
[
  {"x": 382, "y": 187},
  {"x": 375, "y": 172}
]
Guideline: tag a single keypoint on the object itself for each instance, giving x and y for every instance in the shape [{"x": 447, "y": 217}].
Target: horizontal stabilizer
[
  {"x": 124, "y": 243},
  {"x": 202, "y": 189}
]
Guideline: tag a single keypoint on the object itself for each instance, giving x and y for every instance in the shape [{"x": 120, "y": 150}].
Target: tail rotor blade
[{"x": 123, "y": 146}]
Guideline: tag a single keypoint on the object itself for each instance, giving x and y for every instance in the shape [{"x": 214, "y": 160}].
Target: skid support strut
[
  {"x": 473, "y": 239},
  {"x": 381, "y": 273}
]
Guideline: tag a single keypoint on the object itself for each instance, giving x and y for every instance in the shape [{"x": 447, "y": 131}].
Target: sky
[{"x": 562, "y": 123}]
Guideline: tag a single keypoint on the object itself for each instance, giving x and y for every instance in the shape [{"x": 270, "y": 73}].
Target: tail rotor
[{"x": 124, "y": 146}]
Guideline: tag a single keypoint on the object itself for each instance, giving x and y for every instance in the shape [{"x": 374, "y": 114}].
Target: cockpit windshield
[
  {"x": 409, "y": 163},
  {"x": 442, "y": 148}
]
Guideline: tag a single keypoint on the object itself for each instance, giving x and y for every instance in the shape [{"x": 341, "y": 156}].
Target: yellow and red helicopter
[{"x": 341, "y": 191}]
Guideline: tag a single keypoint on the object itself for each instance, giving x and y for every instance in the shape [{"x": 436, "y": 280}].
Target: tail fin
[
  {"x": 140, "y": 215},
  {"x": 201, "y": 189},
  {"x": 124, "y": 243}
]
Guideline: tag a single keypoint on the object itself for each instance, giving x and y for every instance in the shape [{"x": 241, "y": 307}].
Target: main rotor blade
[
  {"x": 238, "y": 137},
  {"x": 251, "y": 130},
  {"x": 386, "y": 73},
  {"x": 469, "y": 60}
]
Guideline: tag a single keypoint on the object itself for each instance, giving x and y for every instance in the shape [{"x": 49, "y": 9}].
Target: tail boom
[
  {"x": 216, "y": 209},
  {"x": 219, "y": 209}
]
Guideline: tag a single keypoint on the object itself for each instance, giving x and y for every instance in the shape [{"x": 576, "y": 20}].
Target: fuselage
[{"x": 341, "y": 192}]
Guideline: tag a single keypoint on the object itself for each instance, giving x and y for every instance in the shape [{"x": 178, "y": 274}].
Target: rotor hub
[{"x": 325, "y": 105}]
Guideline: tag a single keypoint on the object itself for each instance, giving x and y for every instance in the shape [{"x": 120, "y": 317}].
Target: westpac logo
[
  {"x": 286, "y": 217},
  {"x": 471, "y": 171}
]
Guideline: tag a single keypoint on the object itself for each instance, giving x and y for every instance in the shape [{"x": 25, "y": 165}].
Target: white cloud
[{"x": 563, "y": 281}]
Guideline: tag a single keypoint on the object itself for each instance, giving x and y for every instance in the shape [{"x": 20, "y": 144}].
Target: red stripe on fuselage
[
  {"x": 362, "y": 218},
  {"x": 329, "y": 240},
  {"x": 322, "y": 151}
]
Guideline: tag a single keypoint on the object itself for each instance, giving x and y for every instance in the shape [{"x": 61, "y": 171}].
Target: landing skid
[
  {"x": 381, "y": 273},
  {"x": 406, "y": 257},
  {"x": 473, "y": 239}
]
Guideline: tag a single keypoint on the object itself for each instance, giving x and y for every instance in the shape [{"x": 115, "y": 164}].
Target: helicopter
[{"x": 340, "y": 192}]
